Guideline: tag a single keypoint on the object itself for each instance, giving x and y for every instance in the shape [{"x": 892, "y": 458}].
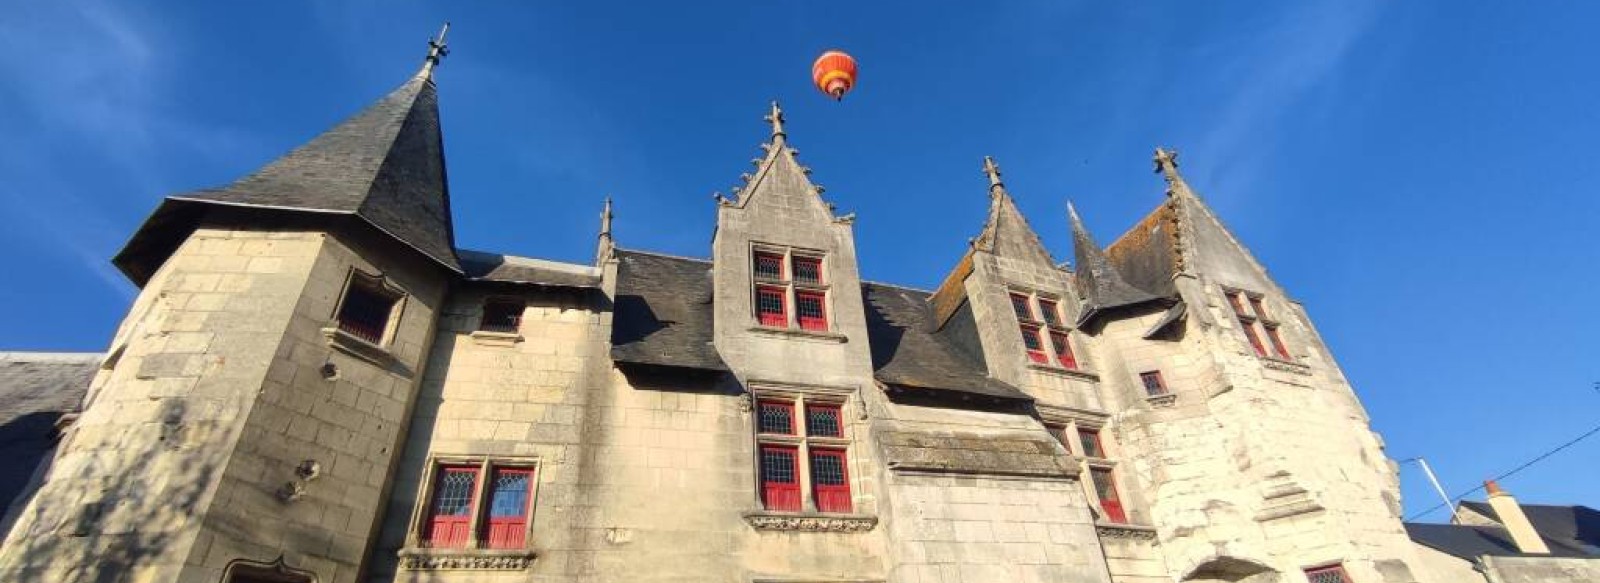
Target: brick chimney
[{"x": 1511, "y": 517}]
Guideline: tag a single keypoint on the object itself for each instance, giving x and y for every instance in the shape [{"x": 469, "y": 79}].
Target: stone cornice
[
  {"x": 1125, "y": 531},
  {"x": 811, "y": 522}
]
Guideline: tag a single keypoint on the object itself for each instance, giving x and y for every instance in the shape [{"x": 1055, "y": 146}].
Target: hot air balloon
[{"x": 834, "y": 73}]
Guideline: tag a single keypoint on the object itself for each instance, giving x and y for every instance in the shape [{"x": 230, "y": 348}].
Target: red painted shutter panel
[
  {"x": 450, "y": 522},
  {"x": 780, "y": 478},
  {"x": 510, "y": 496},
  {"x": 830, "y": 481}
]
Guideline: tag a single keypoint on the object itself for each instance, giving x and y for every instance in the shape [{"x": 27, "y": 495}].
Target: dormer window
[
  {"x": 784, "y": 277},
  {"x": 1039, "y": 324}
]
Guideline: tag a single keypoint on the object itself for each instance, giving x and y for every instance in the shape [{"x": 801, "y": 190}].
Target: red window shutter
[
  {"x": 830, "y": 480},
  {"x": 1106, "y": 488},
  {"x": 1034, "y": 345},
  {"x": 1114, "y": 512},
  {"x": 1063, "y": 350},
  {"x": 510, "y": 496},
  {"x": 772, "y": 305},
  {"x": 780, "y": 478},
  {"x": 450, "y": 519},
  {"x": 1277, "y": 342},
  {"x": 811, "y": 311},
  {"x": 1255, "y": 339}
]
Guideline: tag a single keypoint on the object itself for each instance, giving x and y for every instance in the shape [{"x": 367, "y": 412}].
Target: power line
[{"x": 1525, "y": 466}]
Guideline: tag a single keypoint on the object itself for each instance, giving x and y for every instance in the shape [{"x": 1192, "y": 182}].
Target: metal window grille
[
  {"x": 1052, "y": 315},
  {"x": 1090, "y": 440},
  {"x": 452, "y": 507},
  {"x": 365, "y": 311},
  {"x": 509, "y": 492},
  {"x": 1334, "y": 574},
  {"x": 1153, "y": 384},
  {"x": 769, "y": 266},
  {"x": 823, "y": 421},
  {"x": 809, "y": 311},
  {"x": 1020, "y": 305},
  {"x": 770, "y": 307},
  {"x": 777, "y": 417},
  {"x": 1035, "y": 345},
  {"x": 780, "y": 486},
  {"x": 808, "y": 270},
  {"x": 1063, "y": 347},
  {"x": 501, "y": 316},
  {"x": 830, "y": 481}
]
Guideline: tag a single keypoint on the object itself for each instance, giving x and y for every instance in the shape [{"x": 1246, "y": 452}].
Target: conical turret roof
[{"x": 384, "y": 166}]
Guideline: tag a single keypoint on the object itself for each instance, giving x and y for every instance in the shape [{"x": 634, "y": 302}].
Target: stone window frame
[
  {"x": 276, "y": 571},
  {"x": 1327, "y": 569},
  {"x": 1260, "y": 329},
  {"x": 1065, "y": 424},
  {"x": 422, "y": 506},
  {"x": 1045, "y": 330},
  {"x": 800, "y": 397},
  {"x": 792, "y": 287},
  {"x": 505, "y": 301},
  {"x": 381, "y": 284}
]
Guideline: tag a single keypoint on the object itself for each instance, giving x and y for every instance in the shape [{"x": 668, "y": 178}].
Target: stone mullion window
[
  {"x": 800, "y": 277},
  {"x": 1258, "y": 327},
  {"x": 478, "y": 504},
  {"x": 1046, "y": 338},
  {"x": 807, "y": 442},
  {"x": 1095, "y": 471}
]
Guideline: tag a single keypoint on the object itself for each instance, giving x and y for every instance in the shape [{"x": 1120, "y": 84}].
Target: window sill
[
  {"x": 1281, "y": 365},
  {"x": 491, "y": 338},
  {"x": 810, "y": 521},
  {"x": 1124, "y": 530},
  {"x": 349, "y": 344},
  {"x": 425, "y": 559},
  {"x": 1165, "y": 400},
  {"x": 1076, "y": 373},
  {"x": 796, "y": 333}
]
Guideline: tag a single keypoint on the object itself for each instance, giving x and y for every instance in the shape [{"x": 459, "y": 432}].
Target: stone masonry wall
[
  {"x": 141, "y": 466},
  {"x": 332, "y": 408}
]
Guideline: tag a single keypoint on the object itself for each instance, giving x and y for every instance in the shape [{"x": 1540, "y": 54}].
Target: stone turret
[{"x": 248, "y": 417}]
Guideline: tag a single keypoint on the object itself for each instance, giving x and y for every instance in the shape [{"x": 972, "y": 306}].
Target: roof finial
[
  {"x": 776, "y": 119},
  {"x": 437, "y": 49},
  {"x": 1072, "y": 211},
  {"x": 605, "y": 219},
  {"x": 1167, "y": 163},
  {"x": 993, "y": 170}
]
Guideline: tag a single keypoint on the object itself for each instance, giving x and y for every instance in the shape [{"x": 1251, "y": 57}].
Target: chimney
[{"x": 1511, "y": 517}]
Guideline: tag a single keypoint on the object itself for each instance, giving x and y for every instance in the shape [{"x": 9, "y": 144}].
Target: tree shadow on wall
[{"x": 108, "y": 512}]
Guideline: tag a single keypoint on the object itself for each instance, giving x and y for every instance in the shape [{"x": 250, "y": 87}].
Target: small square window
[
  {"x": 808, "y": 269},
  {"x": 1333, "y": 574},
  {"x": 1034, "y": 344},
  {"x": 1237, "y": 303},
  {"x": 810, "y": 311},
  {"x": 367, "y": 308},
  {"x": 1260, "y": 312},
  {"x": 1050, "y": 311},
  {"x": 772, "y": 306},
  {"x": 824, "y": 421},
  {"x": 501, "y": 315},
  {"x": 1277, "y": 342},
  {"x": 1063, "y": 348},
  {"x": 769, "y": 266},
  {"x": 1090, "y": 440},
  {"x": 1154, "y": 386},
  {"x": 777, "y": 417},
  {"x": 1022, "y": 306},
  {"x": 1255, "y": 339}
]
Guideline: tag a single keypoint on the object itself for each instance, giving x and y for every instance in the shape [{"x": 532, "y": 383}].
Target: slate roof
[
  {"x": 384, "y": 166},
  {"x": 1147, "y": 256},
  {"x": 36, "y": 389},
  {"x": 1099, "y": 283},
  {"x": 494, "y": 267},
  {"x": 663, "y": 317},
  {"x": 907, "y": 352},
  {"x": 1575, "y": 527},
  {"x": 663, "y": 312}
]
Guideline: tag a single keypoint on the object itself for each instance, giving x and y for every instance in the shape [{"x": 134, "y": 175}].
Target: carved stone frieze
[
  {"x": 1125, "y": 531},
  {"x": 811, "y": 522},
  {"x": 465, "y": 560}
]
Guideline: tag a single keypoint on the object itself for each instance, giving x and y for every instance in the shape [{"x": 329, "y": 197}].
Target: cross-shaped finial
[
  {"x": 437, "y": 50},
  {"x": 993, "y": 170},
  {"x": 775, "y": 117},
  {"x": 1166, "y": 160}
]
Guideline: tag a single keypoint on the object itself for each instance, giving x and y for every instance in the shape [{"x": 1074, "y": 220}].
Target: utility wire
[{"x": 1508, "y": 474}]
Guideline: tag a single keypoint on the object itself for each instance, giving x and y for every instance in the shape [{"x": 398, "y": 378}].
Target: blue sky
[{"x": 1415, "y": 172}]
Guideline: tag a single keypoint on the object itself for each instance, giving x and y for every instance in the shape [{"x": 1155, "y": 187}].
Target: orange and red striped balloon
[{"x": 834, "y": 73}]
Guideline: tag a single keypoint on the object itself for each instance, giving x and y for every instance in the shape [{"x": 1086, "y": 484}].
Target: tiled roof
[
  {"x": 494, "y": 267},
  {"x": 906, "y": 351},
  {"x": 384, "y": 166},
  {"x": 36, "y": 389},
  {"x": 663, "y": 312},
  {"x": 1099, "y": 282}
]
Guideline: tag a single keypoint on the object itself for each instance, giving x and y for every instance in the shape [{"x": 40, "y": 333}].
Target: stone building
[{"x": 316, "y": 385}]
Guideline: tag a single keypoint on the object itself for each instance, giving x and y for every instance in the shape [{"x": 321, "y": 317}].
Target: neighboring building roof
[
  {"x": 1470, "y": 542},
  {"x": 1571, "y": 527},
  {"x": 907, "y": 352},
  {"x": 384, "y": 166},
  {"x": 494, "y": 267},
  {"x": 36, "y": 389},
  {"x": 663, "y": 312},
  {"x": 664, "y": 317}
]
